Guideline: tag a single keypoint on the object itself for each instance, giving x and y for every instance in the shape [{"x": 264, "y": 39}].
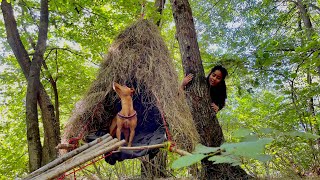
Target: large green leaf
[
  {"x": 252, "y": 149},
  {"x": 185, "y": 161},
  {"x": 201, "y": 149},
  {"x": 242, "y": 132},
  {"x": 224, "y": 159}
]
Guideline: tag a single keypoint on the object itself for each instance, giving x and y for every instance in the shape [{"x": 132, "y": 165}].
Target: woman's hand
[
  {"x": 215, "y": 107},
  {"x": 187, "y": 79}
]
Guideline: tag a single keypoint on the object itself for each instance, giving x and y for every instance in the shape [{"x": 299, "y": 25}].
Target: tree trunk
[
  {"x": 306, "y": 20},
  {"x": 33, "y": 135},
  {"x": 197, "y": 93},
  {"x": 35, "y": 90},
  {"x": 309, "y": 31},
  {"x": 305, "y": 17},
  {"x": 51, "y": 127}
]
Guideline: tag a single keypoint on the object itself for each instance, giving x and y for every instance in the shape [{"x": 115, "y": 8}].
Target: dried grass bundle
[{"x": 138, "y": 55}]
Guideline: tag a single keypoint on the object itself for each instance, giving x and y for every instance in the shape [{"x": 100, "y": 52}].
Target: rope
[
  {"x": 83, "y": 167},
  {"x": 75, "y": 140},
  {"x": 171, "y": 143}
]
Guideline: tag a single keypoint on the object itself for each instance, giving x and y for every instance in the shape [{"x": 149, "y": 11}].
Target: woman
[{"x": 216, "y": 84}]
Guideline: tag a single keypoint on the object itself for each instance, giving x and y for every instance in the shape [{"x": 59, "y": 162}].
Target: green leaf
[
  {"x": 247, "y": 149},
  {"x": 263, "y": 157},
  {"x": 306, "y": 135},
  {"x": 298, "y": 49},
  {"x": 242, "y": 132},
  {"x": 266, "y": 55},
  {"x": 271, "y": 79},
  {"x": 293, "y": 75},
  {"x": 268, "y": 61},
  {"x": 278, "y": 81},
  {"x": 274, "y": 43},
  {"x": 223, "y": 159},
  {"x": 266, "y": 130},
  {"x": 201, "y": 149},
  {"x": 185, "y": 161},
  {"x": 250, "y": 137}
]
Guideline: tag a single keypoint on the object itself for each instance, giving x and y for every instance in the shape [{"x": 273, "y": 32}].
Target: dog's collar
[{"x": 127, "y": 117}]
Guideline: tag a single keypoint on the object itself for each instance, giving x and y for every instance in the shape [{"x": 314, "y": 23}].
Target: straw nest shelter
[{"x": 138, "y": 57}]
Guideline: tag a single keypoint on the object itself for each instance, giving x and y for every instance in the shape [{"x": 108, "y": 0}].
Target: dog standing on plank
[{"x": 126, "y": 119}]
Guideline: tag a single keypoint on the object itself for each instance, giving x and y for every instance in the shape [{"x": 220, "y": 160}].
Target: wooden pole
[
  {"x": 181, "y": 152},
  {"x": 70, "y": 154},
  {"x": 90, "y": 154},
  {"x": 155, "y": 146},
  {"x": 143, "y": 147}
]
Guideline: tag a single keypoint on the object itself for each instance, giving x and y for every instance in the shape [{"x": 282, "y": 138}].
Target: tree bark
[
  {"x": 305, "y": 17},
  {"x": 197, "y": 93},
  {"x": 35, "y": 90},
  {"x": 33, "y": 87}
]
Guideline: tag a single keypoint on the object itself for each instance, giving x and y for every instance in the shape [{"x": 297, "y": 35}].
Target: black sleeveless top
[{"x": 217, "y": 95}]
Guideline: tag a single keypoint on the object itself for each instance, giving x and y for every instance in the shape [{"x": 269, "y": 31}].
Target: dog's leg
[
  {"x": 132, "y": 132},
  {"x": 119, "y": 128},
  {"x": 126, "y": 134},
  {"x": 112, "y": 129}
]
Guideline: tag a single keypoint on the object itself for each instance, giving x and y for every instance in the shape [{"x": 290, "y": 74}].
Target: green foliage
[
  {"x": 189, "y": 160},
  {"x": 305, "y": 135},
  {"x": 201, "y": 149},
  {"x": 251, "y": 149},
  {"x": 13, "y": 145},
  {"x": 228, "y": 152}
]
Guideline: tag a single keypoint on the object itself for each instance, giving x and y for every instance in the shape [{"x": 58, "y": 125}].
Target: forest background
[{"x": 270, "y": 48}]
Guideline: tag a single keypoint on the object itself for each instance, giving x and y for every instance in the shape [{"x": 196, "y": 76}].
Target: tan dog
[{"x": 126, "y": 119}]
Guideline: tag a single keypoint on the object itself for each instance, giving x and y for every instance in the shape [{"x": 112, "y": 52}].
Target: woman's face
[{"x": 215, "y": 78}]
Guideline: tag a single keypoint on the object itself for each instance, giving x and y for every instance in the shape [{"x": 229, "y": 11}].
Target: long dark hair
[{"x": 218, "y": 93}]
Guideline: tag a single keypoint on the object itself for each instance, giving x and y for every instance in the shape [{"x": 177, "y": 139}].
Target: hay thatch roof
[{"x": 138, "y": 54}]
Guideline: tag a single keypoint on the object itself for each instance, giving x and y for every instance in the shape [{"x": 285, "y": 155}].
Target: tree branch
[
  {"x": 14, "y": 38},
  {"x": 43, "y": 28},
  {"x": 64, "y": 49},
  {"x": 53, "y": 83}
]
